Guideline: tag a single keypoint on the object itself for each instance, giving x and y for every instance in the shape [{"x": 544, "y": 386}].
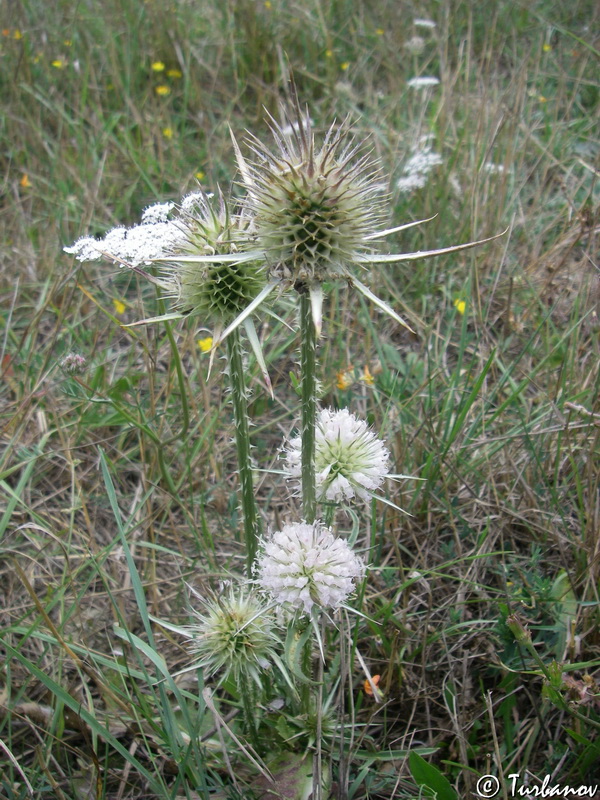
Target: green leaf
[{"x": 430, "y": 778}]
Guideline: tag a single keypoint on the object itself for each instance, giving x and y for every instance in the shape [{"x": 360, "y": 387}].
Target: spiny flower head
[
  {"x": 312, "y": 207},
  {"x": 350, "y": 460},
  {"x": 235, "y": 635},
  {"x": 220, "y": 290},
  {"x": 306, "y": 565}
]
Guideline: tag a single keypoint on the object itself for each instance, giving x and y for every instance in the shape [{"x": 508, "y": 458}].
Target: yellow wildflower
[
  {"x": 547, "y": 47},
  {"x": 158, "y": 66},
  {"x": 162, "y": 90},
  {"x": 167, "y": 133},
  {"x": 542, "y": 99},
  {"x": 174, "y": 73},
  {"x": 367, "y": 377},
  {"x": 345, "y": 378},
  {"x": 460, "y": 305},
  {"x": 68, "y": 42},
  {"x": 199, "y": 175},
  {"x": 119, "y": 306},
  {"x": 205, "y": 344},
  {"x": 59, "y": 63},
  {"x": 268, "y": 5},
  {"x": 344, "y": 65},
  {"x": 25, "y": 182},
  {"x": 17, "y": 34},
  {"x": 379, "y": 31},
  {"x": 328, "y": 53}
]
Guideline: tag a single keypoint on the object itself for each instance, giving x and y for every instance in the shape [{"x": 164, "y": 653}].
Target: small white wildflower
[
  {"x": 350, "y": 461},
  {"x": 409, "y": 183},
  {"x": 191, "y": 201},
  {"x": 417, "y": 168},
  {"x": 159, "y": 212},
  {"x": 424, "y": 23},
  {"x": 306, "y": 565},
  {"x": 137, "y": 245},
  {"x": 493, "y": 169},
  {"x": 423, "y": 82},
  {"x": 415, "y": 45}
]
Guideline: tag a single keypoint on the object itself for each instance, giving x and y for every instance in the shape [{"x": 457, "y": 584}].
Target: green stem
[
  {"x": 308, "y": 366},
  {"x": 242, "y": 440},
  {"x": 249, "y": 708}
]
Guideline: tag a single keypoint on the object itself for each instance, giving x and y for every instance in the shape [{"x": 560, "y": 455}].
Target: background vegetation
[{"x": 111, "y": 106}]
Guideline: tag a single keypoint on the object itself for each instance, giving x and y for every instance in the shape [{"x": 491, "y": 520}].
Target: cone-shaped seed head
[{"x": 312, "y": 209}]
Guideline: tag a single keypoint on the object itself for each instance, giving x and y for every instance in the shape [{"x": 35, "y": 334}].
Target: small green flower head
[
  {"x": 218, "y": 290},
  {"x": 312, "y": 209},
  {"x": 234, "y": 635}
]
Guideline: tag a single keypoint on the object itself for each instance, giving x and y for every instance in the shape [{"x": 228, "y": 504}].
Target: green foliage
[{"x": 430, "y": 778}]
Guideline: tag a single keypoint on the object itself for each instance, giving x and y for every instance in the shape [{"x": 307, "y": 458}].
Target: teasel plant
[
  {"x": 312, "y": 214},
  {"x": 204, "y": 275}
]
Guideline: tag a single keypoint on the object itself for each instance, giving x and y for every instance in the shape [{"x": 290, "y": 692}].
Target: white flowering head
[
  {"x": 312, "y": 208},
  {"x": 234, "y": 635},
  {"x": 350, "y": 460},
  {"x": 306, "y": 565},
  {"x": 155, "y": 237},
  {"x": 416, "y": 170},
  {"x": 218, "y": 290}
]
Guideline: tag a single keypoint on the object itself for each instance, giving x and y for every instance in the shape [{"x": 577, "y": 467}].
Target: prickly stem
[{"x": 242, "y": 439}]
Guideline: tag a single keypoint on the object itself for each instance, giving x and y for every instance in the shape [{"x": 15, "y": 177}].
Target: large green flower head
[
  {"x": 217, "y": 290},
  {"x": 313, "y": 208}
]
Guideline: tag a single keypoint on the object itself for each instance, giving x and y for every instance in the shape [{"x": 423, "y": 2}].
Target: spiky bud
[
  {"x": 312, "y": 209},
  {"x": 219, "y": 291},
  {"x": 235, "y": 635}
]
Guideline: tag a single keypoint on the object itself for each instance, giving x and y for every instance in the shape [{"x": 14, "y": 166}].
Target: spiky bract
[{"x": 311, "y": 209}]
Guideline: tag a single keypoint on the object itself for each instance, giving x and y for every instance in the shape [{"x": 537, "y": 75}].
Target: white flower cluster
[
  {"x": 423, "y": 82},
  {"x": 424, "y": 23},
  {"x": 156, "y": 236},
  {"x": 349, "y": 458},
  {"x": 418, "y": 166},
  {"x": 306, "y": 565}
]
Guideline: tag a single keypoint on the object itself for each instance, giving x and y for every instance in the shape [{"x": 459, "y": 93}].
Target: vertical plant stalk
[
  {"x": 242, "y": 440},
  {"x": 249, "y": 707},
  {"x": 308, "y": 367}
]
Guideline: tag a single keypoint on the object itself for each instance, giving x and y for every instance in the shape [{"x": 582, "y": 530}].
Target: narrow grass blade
[{"x": 95, "y": 726}]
